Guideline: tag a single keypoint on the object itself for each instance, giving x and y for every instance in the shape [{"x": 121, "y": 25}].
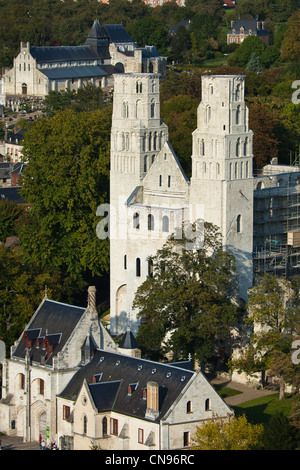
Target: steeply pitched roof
[
  {"x": 54, "y": 322},
  {"x": 112, "y": 368},
  {"x": 117, "y": 33},
  {"x": 248, "y": 24},
  {"x": 128, "y": 341},
  {"x": 12, "y": 194}
]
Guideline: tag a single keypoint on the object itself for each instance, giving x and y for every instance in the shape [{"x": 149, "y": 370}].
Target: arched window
[
  {"x": 237, "y": 116},
  {"x": 136, "y": 220},
  {"x": 239, "y": 223},
  {"x": 165, "y": 223},
  {"x": 125, "y": 109},
  {"x": 246, "y": 146},
  {"x": 41, "y": 386},
  {"x": 202, "y": 147},
  {"x": 207, "y": 114},
  {"x": 189, "y": 407},
  {"x": 145, "y": 163},
  {"x": 207, "y": 404},
  {"x": 238, "y": 92},
  {"x": 84, "y": 424},
  {"x": 138, "y": 267},
  {"x": 152, "y": 109},
  {"x": 169, "y": 181},
  {"x": 237, "y": 148},
  {"x": 150, "y": 222},
  {"x": 104, "y": 426}
]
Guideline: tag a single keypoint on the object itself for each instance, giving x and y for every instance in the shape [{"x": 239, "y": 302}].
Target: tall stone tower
[
  {"x": 222, "y": 168},
  {"x": 137, "y": 136}
]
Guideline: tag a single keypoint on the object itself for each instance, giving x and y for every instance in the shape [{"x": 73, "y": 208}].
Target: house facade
[
  {"x": 68, "y": 381},
  {"x": 118, "y": 402},
  {"x": 43, "y": 361},
  {"x": 244, "y": 27}
]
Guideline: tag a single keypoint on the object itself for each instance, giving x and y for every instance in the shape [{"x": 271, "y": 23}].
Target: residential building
[
  {"x": 68, "y": 381},
  {"x": 244, "y": 27}
]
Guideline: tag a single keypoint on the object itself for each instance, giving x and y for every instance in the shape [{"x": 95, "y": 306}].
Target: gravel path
[{"x": 248, "y": 393}]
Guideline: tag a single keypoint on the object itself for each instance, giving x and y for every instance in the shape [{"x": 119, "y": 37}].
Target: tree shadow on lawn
[{"x": 260, "y": 410}]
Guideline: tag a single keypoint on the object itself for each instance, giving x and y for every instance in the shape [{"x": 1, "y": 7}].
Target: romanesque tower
[
  {"x": 222, "y": 168},
  {"x": 137, "y": 136}
]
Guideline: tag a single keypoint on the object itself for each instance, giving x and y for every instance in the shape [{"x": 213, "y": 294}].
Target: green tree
[
  {"x": 254, "y": 63},
  {"x": 10, "y": 214},
  {"x": 273, "y": 313},
  {"x": 243, "y": 53},
  {"x": 228, "y": 434},
  {"x": 180, "y": 115},
  {"x": 66, "y": 178},
  {"x": 186, "y": 304},
  {"x": 279, "y": 434},
  {"x": 22, "y": 287},
  {"x": 290, "y": 46}
]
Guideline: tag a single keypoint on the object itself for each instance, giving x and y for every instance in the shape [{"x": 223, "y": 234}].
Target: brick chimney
[
  {"x": 152, "y": 411},
  {"x": 92, "y": 302}
]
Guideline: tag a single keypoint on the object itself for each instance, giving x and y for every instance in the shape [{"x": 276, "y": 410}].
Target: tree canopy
[
  {"x": 186, "y": 305},
  {"x": 66, "y": 178}
]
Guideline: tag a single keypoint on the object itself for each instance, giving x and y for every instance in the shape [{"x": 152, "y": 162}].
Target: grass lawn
[
  {"x": 261, "y": 409},
  {"x": 225, "y": 392}
]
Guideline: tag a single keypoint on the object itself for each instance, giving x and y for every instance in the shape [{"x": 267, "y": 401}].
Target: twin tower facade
[{"x": 150, "y": 195}]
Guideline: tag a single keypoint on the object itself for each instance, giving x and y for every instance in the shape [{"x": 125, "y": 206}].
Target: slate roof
[
  {"x": 247, "y": 24},
  {"x": 12, "y": 194},
  {"x": 117, "y": 33},
  {"x": 53, "y": 321},
  {"x": 63, "y": 54},
  {"x": 128, "y": 341},
  {"x": 115, "y": 372},
  {"x": 86, "y": 71},
  {"x": 95, "y": 47}
]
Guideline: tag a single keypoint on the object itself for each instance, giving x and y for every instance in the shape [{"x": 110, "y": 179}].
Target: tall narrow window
[
  {"x": 150, "y": 267},
  {"x": 189, "y": 407},
  {"x": 152, "y": 109},
  {"x": 246, "y": 147},
  {"x": 239, "y": 223},
  {"x": 125, "y": 262},
  {"x": 237, "y": 148},
  {"x": 207, "y": 404},
  {"x": 84, "y": 424},
  {"x": 165, "y": 223},
  {"x": 138, "y": 267},
  {"x": 141, "y": 436},
  {"x": 160, "y": 180},
  {"x": 104, "y": 426},
  {"x": 237, "y": 116},
  {"x": 186, "y": 439},
  {"x": 41, "y": 386},
  {"x": 150, "y": 222},
  {"x": 114, "y": 426},
  {"x": 169, "y": 181},
  {"x": 136, "y": 220}
]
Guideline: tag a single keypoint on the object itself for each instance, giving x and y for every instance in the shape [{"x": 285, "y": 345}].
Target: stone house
[
  {"x": 68, "y": 381},
  {"x": 118, "y": 402},
  {"x": 42, "y": 362}
]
